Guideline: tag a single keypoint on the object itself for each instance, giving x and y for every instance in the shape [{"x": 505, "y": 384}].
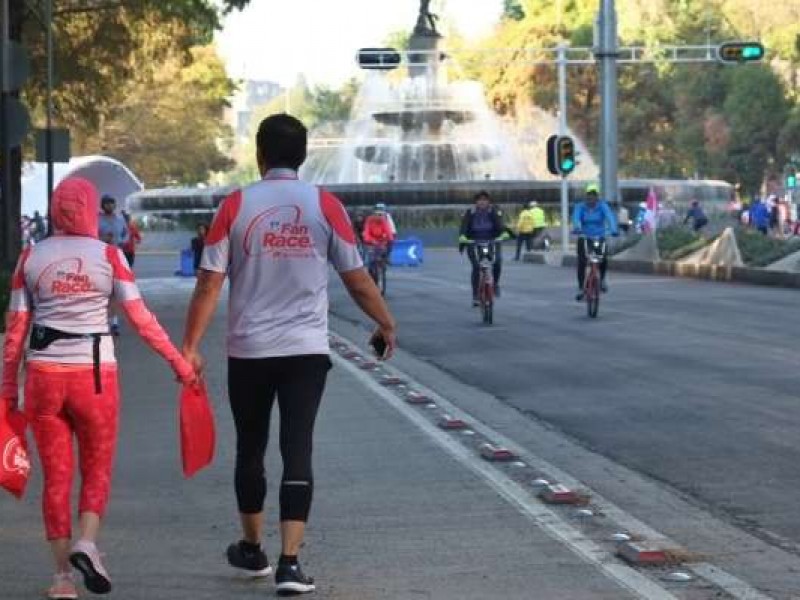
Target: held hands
[{"x": 193, "y": 366}]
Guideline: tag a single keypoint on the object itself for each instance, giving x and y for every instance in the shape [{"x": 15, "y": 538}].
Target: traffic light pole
[{"x": 562, "y": 130}]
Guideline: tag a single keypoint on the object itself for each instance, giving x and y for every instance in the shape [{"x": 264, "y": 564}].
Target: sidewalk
[{"x": 394, "y": 517}]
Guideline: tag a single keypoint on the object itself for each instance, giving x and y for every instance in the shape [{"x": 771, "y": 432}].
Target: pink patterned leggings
[{"x": 59, "y": 403}]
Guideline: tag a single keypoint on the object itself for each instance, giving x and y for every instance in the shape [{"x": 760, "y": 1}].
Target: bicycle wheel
[
  {"x": 592, "y": 293},
  {"x": 382, "y": 272},
  {"x": 487, "y": 302}
]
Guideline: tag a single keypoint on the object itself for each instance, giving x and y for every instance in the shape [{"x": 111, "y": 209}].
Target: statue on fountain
[{"x": 426, "y": 21}]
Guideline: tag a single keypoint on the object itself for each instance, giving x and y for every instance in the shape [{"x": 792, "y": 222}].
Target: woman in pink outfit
[{"x": 61, "y": 290}]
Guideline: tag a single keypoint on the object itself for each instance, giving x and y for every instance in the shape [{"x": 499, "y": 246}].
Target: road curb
[{"x": 729, "y": 274}]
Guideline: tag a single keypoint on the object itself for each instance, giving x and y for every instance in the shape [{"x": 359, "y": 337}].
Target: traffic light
[
  {"x": 378, "y": 59},
  {"x": 561, "y": 155},
  {"x": 566, "y": 155},
  {"x": 739, "y": 52}
]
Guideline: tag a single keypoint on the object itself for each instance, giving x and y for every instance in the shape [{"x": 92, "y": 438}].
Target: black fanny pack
[{"x": 42, "y": 336}]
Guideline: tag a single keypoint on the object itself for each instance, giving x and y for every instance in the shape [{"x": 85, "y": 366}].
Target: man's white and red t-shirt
[{"x": 275, "y": 239}]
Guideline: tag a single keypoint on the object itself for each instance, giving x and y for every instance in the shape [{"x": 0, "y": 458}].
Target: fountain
[{"x": 421, "y": 128}]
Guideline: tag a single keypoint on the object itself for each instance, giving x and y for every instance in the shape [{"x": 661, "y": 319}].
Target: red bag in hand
[
  {"x": 197, "y": 428},
  {"x": 15, "y": 466}
]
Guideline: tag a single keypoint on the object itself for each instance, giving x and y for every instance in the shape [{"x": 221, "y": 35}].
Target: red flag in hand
[
  {"x": 15, "y": 466},
  {"x": 197, "y": 428}
]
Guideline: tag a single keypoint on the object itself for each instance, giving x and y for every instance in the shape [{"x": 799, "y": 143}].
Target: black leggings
[
  {"x": 582, "y": 262},
  {"x": 253, "y": 383},
  {"x": 497, "y": 268}
]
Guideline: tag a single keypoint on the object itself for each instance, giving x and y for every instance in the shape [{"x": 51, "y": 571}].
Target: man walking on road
[{"x": 275, "y": 239}]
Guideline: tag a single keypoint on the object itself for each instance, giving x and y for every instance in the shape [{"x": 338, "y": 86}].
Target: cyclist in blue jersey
[{"x": 591, "y": 220}]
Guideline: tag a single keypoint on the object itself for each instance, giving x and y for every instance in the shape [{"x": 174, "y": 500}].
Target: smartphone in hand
[{"x": 378, "y": 344}]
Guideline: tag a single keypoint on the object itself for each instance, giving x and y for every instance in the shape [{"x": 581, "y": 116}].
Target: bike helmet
[{"x": 592, "y": 188}]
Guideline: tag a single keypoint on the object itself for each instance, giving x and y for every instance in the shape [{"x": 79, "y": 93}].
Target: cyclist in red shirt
[
  {"x": 377, "y": 236},
  {"x": 377, "y": 229}
]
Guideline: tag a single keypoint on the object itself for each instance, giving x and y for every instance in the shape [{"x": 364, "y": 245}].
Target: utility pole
[{"x": 607, "y": 55}]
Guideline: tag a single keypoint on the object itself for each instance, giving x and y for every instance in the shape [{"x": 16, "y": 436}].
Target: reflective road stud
[
  {"x": 644, "y": 553},
  {"x": 496, "y": 453},
  {"x": 559, "y": 494},
  {"x": 448, "y": 422},
  {"x": 417, "y": 398}
]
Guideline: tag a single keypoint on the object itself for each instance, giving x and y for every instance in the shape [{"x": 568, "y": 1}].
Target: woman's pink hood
[{"x": 75, "y": 207}]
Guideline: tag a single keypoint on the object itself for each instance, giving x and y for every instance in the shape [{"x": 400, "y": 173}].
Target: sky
[{"x": 277, "y": 40}]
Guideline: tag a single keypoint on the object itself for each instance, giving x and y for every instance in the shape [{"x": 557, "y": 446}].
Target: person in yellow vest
[{"x": 531, "y": 223}]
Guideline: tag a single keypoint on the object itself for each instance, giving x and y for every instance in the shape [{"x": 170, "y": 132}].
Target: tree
[
  {"x": 756, "y": 110},
  {"x": 513, "y": 10},
  {"x": 168, "y": 125}
]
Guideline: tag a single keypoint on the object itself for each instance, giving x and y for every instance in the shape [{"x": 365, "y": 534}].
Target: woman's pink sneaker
[
  {"x": 63, "y": 587},
  {"x": 86, "y": 559}
]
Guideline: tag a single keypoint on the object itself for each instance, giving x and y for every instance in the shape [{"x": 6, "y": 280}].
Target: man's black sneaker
[
  {"x": 290, "y": 580},
  {"x": 252, "y": 563}
]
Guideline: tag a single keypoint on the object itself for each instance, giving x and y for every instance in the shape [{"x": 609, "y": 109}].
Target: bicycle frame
[
  {"x": 377, "y": 261},
  {"x": 595, "y": 252},
  {"x": 485, "y": 252}
]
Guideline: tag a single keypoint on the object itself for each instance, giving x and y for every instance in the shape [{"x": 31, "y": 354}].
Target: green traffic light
[{"x": 752, "y": 52}]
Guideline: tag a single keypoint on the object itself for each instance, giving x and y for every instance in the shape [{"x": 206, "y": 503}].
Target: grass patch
[{"x": 759, "y": 250}]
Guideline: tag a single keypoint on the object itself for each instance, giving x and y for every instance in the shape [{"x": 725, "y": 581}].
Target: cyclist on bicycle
[
  {"x": 591, "y": 220},
  {"x": 483, "y": 223},
  {"x": 377, "y": 234}
]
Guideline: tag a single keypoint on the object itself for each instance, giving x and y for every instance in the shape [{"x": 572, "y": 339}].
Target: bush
[
  {"x": 675, "y": 242},
  {"x": 759, "y": 250}
]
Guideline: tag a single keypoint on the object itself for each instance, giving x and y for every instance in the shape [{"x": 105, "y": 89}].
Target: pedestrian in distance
[
  {"x": 39, "y": 227},
  {"x": 274, "y": 240},
  {"x": 197, "y": 244},
  {"x": 697, "y": 216},
  {"x": 60, "y": 292},
  {"x": 759, "y": 216},
  {"x": 113, "y": 231},
  {"x": 134, "y": 239},
  {"x": 526, "y": 224}
]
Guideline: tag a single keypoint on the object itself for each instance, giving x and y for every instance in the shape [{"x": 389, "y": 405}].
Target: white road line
[
  {"x": 734, "y": 586},
  {"x": 544, "y": 518}
]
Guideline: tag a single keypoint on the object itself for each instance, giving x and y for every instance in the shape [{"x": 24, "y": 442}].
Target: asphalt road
[{"x": 693, "y": 384}]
